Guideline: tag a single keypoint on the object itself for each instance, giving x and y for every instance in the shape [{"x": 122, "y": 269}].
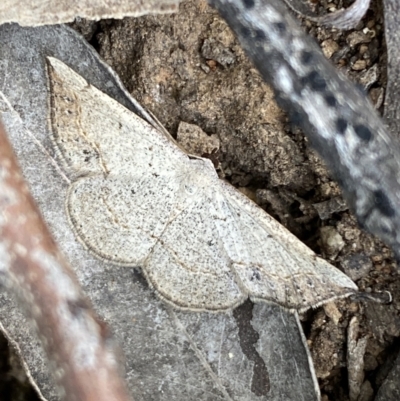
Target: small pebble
[
  {"x": 356, "y": 266},
  {"x": 329, "y": 47},
  {"x": 359, "y": 65},
  {"x": 332, "y": 312},
  {"x": 332, "y": 241},
  {"x": 357, "y": 37}
]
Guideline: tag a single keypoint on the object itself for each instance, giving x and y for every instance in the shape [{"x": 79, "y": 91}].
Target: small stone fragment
[
  {"x": 215, "y": 50},
  {"x": 324, "y": 348},
  {"x": 356, "y": 266},
  {"x": 332, "y": 241},
  {"x": 329, "y": 47},
  {"x": 327, "y": 208},
  {"x": 363, "y": 49},
  {"x": 329, "y": 189},
  {"x": 332, "y": 312},
  {"x": 371, "y": 24},
  {"x": 357, "y": 37},
  {"x": 377, "y": 96},
  {"x": 369, "y": 77},
  {"x": 212, "y": 64},
  {"x": 359, "y": 65}
]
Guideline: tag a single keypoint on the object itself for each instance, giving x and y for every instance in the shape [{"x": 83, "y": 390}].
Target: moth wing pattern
[
  {"x": 138, "y": 200},
  {"x": 91, "y": 139},
  {"x": 271, "y": 263}
]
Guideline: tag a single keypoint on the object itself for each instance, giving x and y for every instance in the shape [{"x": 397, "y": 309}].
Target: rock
[
  {"x": 332, "y": 241},
  {"x": 356, "y": 266}
]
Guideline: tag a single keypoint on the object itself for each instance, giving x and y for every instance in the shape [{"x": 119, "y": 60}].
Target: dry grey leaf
[
  {"x": 247, "y": 354},
  {"x": 43, "y": 12}
]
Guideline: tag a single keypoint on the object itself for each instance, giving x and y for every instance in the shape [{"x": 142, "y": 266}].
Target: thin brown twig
[{"x": 77, "y": 342}]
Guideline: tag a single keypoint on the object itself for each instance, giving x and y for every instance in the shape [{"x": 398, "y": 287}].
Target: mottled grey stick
[
  {"x": 338, "y": 118},
  {"x": 392, "y": 37}
]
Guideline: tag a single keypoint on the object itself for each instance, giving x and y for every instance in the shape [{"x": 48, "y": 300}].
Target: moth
[{"x": 137, "y": 199}]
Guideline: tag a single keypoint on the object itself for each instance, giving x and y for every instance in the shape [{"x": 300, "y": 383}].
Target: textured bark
[{"x": 392, "y": 35}]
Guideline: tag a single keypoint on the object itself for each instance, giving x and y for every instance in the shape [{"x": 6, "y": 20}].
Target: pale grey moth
[{"x": 138, "y": 200}]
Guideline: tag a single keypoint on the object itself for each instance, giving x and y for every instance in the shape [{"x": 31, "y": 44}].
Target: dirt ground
[{"x": 188, "y": 67}]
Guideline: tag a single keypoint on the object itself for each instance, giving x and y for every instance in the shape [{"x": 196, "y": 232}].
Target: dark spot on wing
[
  {"x": 363, "y": 132},
  {"x": 256, "y": 275},
  {"x": 382, "y": 202},
  {"x": 341, "y": 125}
]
